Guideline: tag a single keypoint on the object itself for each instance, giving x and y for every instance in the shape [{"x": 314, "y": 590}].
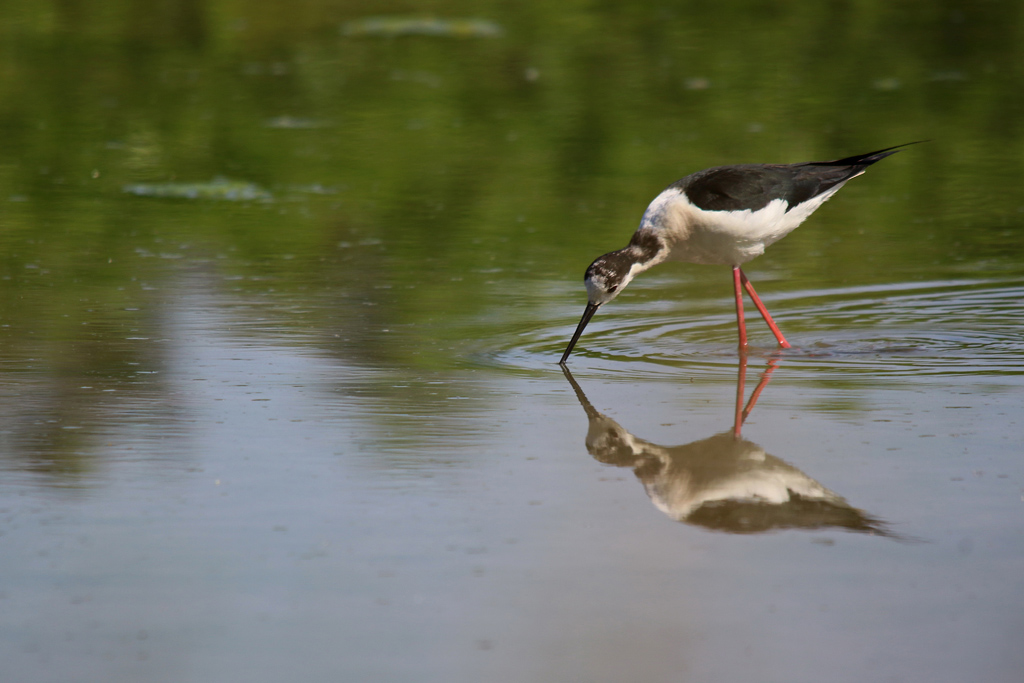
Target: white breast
[{"x": 723, "y": 237}]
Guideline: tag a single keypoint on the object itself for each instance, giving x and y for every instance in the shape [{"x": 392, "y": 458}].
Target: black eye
[{"x": 613, "y": 288}]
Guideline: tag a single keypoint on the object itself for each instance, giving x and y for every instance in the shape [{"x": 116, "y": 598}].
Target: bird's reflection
[{"x": 724, "y": 482}]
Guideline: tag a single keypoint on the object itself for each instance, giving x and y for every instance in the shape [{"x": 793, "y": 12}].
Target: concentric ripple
[{"x": 971, "y": 327}]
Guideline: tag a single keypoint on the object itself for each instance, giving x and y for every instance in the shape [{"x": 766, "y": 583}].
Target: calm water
[{"x": 282, "y": 293}]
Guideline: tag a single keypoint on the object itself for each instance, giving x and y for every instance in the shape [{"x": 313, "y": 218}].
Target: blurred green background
[
  {"x": 281, "y": 296},
  {"x": 416, "y": 180},
  {"x": 538, "y": 146}
]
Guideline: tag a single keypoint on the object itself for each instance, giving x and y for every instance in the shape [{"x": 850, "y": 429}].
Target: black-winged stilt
[{"x": 725, "y": 215}]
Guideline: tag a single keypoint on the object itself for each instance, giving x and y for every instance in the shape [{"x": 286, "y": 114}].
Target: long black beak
[{"x": 587, "y": 315}]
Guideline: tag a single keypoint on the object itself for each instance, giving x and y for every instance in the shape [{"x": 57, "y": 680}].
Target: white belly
[{"x": 728, "y": 238}]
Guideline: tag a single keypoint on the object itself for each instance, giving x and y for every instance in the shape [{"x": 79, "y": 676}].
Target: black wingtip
[{"x": 871, "y": 157}]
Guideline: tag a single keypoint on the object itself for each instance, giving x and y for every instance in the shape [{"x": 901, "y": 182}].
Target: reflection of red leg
[
  {"x": 760, "y": 307},
  {"x": 741, "y": 381},
  {"x": 742, "y": 412},
  {"x": 756, "y": 393},
  {"x": 737, "y": 274}
]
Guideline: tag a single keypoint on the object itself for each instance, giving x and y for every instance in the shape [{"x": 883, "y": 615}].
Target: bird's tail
[{"x": 866, "y": 159}]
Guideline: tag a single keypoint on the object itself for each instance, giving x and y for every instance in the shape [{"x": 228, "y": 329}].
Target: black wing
[{"x": 753, "y": 186}]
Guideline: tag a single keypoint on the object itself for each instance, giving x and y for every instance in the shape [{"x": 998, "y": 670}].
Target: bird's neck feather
[{"x": 645, "y": 249}]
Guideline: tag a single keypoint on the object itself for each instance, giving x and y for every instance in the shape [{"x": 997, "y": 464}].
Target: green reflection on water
[{"x": 430, "y": 193}]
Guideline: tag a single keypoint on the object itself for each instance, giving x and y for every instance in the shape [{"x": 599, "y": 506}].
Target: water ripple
[{"x": 971, "y": 327}]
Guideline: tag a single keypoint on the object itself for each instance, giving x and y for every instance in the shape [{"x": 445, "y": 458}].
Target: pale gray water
[{"x": 261, "y": 516}]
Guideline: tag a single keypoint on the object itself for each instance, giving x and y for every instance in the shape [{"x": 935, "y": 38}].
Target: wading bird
[{"x": 727, "y": 216}]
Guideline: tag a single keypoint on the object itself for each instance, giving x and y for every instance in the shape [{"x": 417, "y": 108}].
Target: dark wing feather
[
  {"x": 753, "y": 186},
  {"x": 735, "y": 188}
]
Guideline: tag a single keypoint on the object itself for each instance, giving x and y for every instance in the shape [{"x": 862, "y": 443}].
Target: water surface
[{"x": 280, "y": 305}]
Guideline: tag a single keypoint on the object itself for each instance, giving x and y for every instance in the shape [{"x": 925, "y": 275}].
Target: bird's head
[{"x": 605, "y": 278}]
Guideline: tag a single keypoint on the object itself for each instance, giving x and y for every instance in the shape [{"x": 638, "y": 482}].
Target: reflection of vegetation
[
  {"x": 218, "y": 188},
  {"x": 464, "y": 172},
  {"x": 394, "y": 26}
]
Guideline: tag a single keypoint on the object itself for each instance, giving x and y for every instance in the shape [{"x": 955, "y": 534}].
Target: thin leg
[
  {"x": 741, "y": 277},
  {"x": 737, "y": 275},
  {"x": 741, "y": 381}
]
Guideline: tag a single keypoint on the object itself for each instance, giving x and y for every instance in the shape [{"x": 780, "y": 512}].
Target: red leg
[
  {"x": 741, "y": 277},
  {"x": 737, "y": 275}
]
